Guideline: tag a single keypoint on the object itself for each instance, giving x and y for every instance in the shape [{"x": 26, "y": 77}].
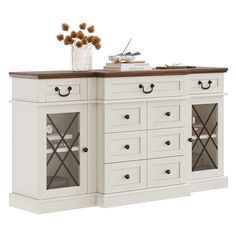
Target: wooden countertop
[{"x": 105, "y": 74}]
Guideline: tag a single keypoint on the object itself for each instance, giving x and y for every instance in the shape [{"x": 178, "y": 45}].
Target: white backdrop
[{"x": 200, "y": 32}]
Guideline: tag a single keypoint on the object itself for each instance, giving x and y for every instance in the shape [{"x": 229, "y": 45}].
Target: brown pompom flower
[
  {"x": 97, "y": 46},
  {"x": 60, "y": 37},
  {"x": 73, "y": 34},
  {"x": 83, "y": 26},
  {"x": 96, "y": 40},
  {"x": 80, "y": 34},
  {"x": 81, "y": 38},
  {"x": 90, "y": 39},
  {"x": 68, "y": 40},
  {"x": 91, "y": 29},
  {"x": 85, "y": 40},
  {"x": 79, "y": 44},
  {"x": 65, "y": 27}
]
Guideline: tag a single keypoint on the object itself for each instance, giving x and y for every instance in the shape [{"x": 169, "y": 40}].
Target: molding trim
[
  {"x": 116, "y": 199},
  {"x": 52, "y": 205},
  {"x": 209, "y": 183},
  {"x": 131, "y": 197}
]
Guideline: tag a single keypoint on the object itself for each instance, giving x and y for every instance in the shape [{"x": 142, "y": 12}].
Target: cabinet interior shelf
[
  {"x": 55, "y": 137},
  {"x": 62, "y": 149},
  {"x": 203, "y": 136}
]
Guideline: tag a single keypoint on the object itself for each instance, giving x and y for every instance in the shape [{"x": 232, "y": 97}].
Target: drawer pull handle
[
  {"x": 127, "y": 176},
  {"x": 127, "y": 116},
  {"x": 127, "y": 146},
  {"x": 168, "y": 142},
  {"x": 63, "y": 95},
  {"x": 168, "y": 171},
  {"x": 167, "y": 113},
  {"x": 142, "y": 87},
  {"x": 85, "y": 149},
  {"x": 190, "y": 140},
  {"x": 209, "y": 84}
]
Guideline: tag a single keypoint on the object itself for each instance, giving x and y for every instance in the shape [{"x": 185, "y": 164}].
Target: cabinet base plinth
[
  {"x": 118, "y": 199},
  {"x": 52, "y": 205},
  {"x": 208, "y": 183}
]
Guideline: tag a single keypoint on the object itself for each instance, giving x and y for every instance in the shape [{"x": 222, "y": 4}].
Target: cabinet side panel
[
  {"x": 25, "y": 89},
  {"x": 92, "y": 148},
  {"x": 100, "y": 148},
  {"x": 24, "y": 149}
]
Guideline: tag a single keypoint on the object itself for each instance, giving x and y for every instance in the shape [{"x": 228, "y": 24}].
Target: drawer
[
  {"x": 125, "y": 176},
  {"x": 166, "y": 171},
  {"x": 125, "y": 117},
  {"x": 166, "y": 142},
  {"x": 143, "y": 87},
  {"x": 126, "y": 146},
  {"x": 206, "y": 83},
  {"x": 66, "y": 90},
  {"x": 165, "y": 114}
]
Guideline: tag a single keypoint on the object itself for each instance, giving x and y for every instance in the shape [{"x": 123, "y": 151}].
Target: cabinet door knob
[
  {"x": 127, "y": 116},
  {"x": 168, "y": 171},
  {"x": 167, "y": 113},
  {"x": 127, "y": 146},
  {"x": 168, "y": 142},
  {"x": 85, "y": 149},
  {"x": 190, "y": 140},
  {"x": 127, "y": 176}
]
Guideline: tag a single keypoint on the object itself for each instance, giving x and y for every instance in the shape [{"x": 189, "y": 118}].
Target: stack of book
[{"x": 132, "y": 66}]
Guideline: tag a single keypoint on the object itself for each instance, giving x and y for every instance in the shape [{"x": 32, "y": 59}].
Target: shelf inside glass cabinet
[
  {"x": 63, "y": 149},
  {"x": 203, "y": 136}
]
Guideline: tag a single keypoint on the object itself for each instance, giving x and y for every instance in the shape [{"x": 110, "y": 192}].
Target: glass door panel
[
  {"x": 63, "y": 145},
  {"x": 204, "y": 137}
]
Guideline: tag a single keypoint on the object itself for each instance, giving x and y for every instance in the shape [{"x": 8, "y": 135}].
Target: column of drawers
[{"x": 143, "y": 140}]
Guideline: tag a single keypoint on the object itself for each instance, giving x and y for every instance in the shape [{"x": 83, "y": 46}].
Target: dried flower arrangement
[{"x": 78, "y": 38}]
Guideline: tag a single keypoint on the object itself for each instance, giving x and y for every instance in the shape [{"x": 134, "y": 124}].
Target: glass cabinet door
[
  {"x": 204, "y": 137},
  {"x": 63, "y": 141},
  {"x": 65, "y": 137}
]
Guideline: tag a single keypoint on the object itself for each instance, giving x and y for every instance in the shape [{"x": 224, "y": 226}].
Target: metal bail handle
[
  {"x": 209, "y": 84},
  {"x": 147, "y": 92},
  {"x": 63, "y": 95}
]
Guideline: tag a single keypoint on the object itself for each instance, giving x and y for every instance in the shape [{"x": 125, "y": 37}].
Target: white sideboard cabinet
[{"x": 103, "y": 138}]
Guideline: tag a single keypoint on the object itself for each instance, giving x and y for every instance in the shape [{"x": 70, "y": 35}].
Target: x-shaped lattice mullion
[
  {"x": 63, "y": 136},
  {"x": 59, "y": 167},
  {"x": 204, "y": 125},
  {"x": 61, "y": 164},
  {"x": 204, "y": 148}
]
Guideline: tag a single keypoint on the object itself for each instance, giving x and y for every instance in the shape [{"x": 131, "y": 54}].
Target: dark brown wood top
[{"x": 105, "y": 74}]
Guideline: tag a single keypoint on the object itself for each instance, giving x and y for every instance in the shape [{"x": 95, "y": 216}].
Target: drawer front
[
  {"x": 126, "y": 146},
  {"x": 143, "y": 87},
  {"x": 166, "y": 142},
  {"x": 166, "y": 171},
  {"x": 125, "y": 176},
  {"x": 206, "y": 83},
  {"x": 166, "y": 114},
  {"x": 66, "y": 90},
  {"x": 125, "y": 117}
]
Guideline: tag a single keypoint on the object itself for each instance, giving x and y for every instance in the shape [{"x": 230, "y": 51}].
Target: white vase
[{"x": 81, "y": 58}]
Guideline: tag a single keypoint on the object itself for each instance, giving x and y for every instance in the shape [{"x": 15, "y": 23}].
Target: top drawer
[
  {"x": 206, "y": 83},
  {"x": 51, "y": 90},
  {"x": 66, "y": 90},
  {"x": 142, "y": 87}
]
